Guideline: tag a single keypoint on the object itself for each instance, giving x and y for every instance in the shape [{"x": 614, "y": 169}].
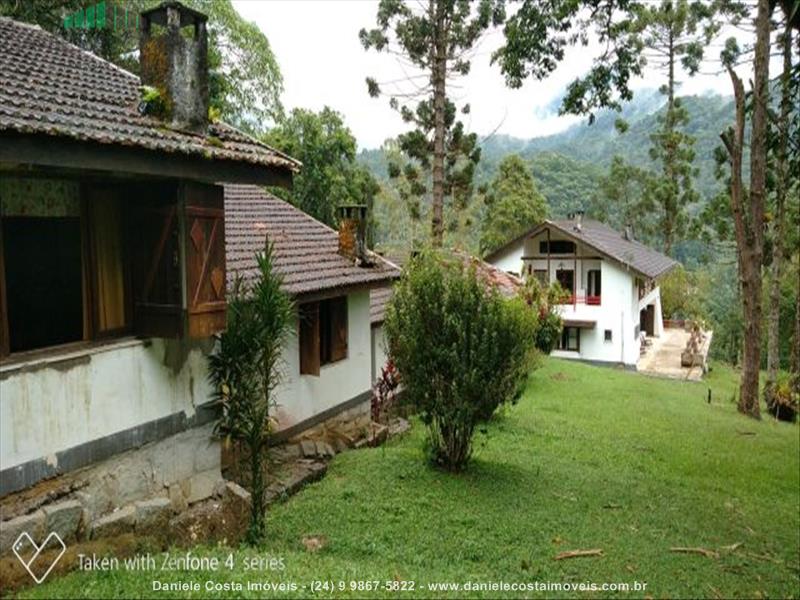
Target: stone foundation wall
[
  {"x": 348, "y": 426},
  {"x": 137, "y": 490}
]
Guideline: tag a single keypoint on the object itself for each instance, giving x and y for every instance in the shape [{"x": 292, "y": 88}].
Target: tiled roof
[
  {"x": 378, "y": 302},
  {"x": 508, "y": 285},
  {"x": 607, "y": 241},
  {"x": 50, "y": 87},
  {"x": 306, "y": 250},
  {"x": 647, "y": 261}
]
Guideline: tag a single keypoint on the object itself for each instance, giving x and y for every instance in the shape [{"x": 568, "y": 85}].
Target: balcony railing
[{"x": 580, "y": 299}]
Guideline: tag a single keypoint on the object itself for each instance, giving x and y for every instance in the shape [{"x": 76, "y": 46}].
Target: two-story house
[{"x": 613, "y": 298}]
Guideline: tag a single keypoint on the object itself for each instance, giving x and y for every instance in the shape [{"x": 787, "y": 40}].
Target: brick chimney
[
  {"x": 353, "y": 234},
  {"x": 176, "y": 64}
]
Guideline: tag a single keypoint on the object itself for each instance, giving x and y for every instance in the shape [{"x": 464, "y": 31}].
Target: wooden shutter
[
  {"x": 154, "y": 233},
  {"x": 309, "y": 338},
  {"x": 338, "y": 328},
  {"x": 205, "y": 258}
]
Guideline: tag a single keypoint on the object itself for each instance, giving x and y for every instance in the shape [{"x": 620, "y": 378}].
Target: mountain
[{"x": 567, "y": 165}]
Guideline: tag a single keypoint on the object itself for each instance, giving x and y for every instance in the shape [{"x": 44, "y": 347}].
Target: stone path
[{"x": 663, "y": 358}]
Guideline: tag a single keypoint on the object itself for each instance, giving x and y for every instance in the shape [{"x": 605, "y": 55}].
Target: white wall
[
  {"x": 379, "y": 352},
  {"x": 105, "y": 390},
  {"x": 510, "y": 260},
  {"x": 302, "y": 396},
  {"x": 57, "y": 405},
  {"x": 615, "y": 313},
  {"x": 618, "y": 311}
]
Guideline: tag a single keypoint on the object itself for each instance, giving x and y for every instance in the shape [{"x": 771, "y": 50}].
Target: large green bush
[{"x": 461, "y": 348}]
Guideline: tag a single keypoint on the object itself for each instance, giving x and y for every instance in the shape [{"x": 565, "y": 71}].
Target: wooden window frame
[
  {"x": 91, "y": 335},
  {"x": 317, "y": 324},
  {"x": 549, "y": 247}
]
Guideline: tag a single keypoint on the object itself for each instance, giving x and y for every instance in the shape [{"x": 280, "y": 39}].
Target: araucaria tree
[
  {"x": 435, "y": 38},
  {"x": 674, "y": 34},
  {"x": 247, "y": 367},
  {"x": 513, "y": 204},
  {"x": 461, "y": 349}
]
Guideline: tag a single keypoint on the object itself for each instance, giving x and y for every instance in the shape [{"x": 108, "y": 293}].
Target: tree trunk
[
  {"x": 794, "y": 362},
  {"x": 752, "y": 253},
  {"x": 779, "y": 225},
  {"x": 439, "y": 75}
]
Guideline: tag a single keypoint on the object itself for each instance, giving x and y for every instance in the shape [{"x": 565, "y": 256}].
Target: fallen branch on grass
[
  {"x": 579, "y": 553},
  {"x": 704, "y": 551}
]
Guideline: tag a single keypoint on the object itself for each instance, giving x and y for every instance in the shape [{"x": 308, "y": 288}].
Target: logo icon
[{"x": 28, "y": 553}]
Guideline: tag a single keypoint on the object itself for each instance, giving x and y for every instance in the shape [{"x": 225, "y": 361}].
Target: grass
[{"x": 590, "y": 458}]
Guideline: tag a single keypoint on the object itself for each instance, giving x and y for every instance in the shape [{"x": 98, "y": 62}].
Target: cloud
[{"x": 323, "y": 63}]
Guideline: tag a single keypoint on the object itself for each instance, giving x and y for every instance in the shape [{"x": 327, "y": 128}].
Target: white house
[
  {"x": 611, "y": 278},
  {"x": 115, "y": 238},
  {"x": 329, "y": 365}
]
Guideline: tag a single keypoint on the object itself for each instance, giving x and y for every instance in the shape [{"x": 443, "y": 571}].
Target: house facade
[
  {"x": 329, "y": 365},
  {"x": 119, "y": 229},
  {"x": 611, "y": 282}
]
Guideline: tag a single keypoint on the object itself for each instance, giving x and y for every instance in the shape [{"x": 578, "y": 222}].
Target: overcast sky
[{"x": 323, "y": 63}]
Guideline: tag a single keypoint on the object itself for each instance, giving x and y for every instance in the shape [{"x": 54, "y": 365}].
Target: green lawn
[{"x": 590, "y": 458}]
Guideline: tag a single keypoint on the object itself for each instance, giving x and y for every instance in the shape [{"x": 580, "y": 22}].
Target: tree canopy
[
  {"x": 513, "y": 204},
  {"x": 330, "y": 175}
]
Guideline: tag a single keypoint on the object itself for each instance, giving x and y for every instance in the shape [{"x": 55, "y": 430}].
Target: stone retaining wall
[{"x": 139, "y": 490}]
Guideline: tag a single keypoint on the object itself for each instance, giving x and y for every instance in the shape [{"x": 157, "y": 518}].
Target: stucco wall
[
  {"x": 300, "y": 397},
  {"x": 62, "y": 402},
  {"x": 379, "y": 352},
  {"x": 59, "y": 403},
  {"x": 618, "y": 311}
]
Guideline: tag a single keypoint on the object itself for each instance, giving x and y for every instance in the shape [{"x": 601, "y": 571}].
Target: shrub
[
  {"x": 384, "y": 393},
  {"x": 783, "y": 402},
  {"x": 247, "y": 367},
  {"x": 544, "y": 301},
  {"x": 461, "y": 348}
]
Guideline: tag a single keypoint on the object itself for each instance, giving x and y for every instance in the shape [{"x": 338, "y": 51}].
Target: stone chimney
[
  {"x": 176, "y": 64},
  {"x": 353, "y": 234},
  {"x": 628, "y": 234},
  {"x": 577, "y": 217}
]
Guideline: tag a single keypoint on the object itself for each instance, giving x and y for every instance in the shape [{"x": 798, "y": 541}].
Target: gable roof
[
  {"x": 51, "y": 87},
  {"x": 606, "y": 241},
  {"x": 307, "y": 251}
]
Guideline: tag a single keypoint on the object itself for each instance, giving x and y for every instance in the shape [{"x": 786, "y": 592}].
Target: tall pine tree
[{"x": 436, "y": 37}]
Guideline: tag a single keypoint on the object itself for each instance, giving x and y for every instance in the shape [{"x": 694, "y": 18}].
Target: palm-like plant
[{"x": 247, "y": 368}]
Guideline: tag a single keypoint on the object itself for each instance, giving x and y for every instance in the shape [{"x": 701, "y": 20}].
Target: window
[
  {"x": 607, "y": 335},
  {"x": 557, "y": 247},
  {"x": 570, "y": 339},
  {"x": 37, "y": 315},
  {"x": 323, "y": 333},
  {"x": 63, "y": 277},
  {"x": 566, "y": 278},
  {"x": 83, "y": 261},
  {"x": 593, "y": 283}
]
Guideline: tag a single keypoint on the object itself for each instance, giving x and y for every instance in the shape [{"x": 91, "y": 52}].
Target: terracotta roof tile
[
  {"x": 306, "y": 250},
  {"x": 50, "y": 87},
  {"x": 379, "y": 299}
]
